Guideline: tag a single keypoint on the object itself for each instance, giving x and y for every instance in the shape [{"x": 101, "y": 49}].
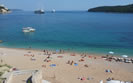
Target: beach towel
[{"x": 53, "y": 65}]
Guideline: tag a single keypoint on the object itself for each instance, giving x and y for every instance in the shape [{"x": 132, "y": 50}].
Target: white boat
[
  {"x": 41, "y": 11},
  {"x": 53, "y": 11},
  {"x": 28, "y": 29}
]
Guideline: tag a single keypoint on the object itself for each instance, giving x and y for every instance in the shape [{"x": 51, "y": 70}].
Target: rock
[{"x": 1, "y": 41}]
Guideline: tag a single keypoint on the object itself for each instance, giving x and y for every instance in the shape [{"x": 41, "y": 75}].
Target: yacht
[
  {"x": 28, "y": 29},
  {"x": 39, "y": 11}
]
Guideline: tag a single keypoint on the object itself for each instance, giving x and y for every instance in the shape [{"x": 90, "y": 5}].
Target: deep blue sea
[{"x": 77, "y": 31}]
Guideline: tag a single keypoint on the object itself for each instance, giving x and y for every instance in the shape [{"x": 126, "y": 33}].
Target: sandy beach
[{"x": 67, "y": 68}]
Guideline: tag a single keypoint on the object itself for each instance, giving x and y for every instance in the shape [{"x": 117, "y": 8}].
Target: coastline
[
  {"x": 40, "y": 50},
  {"x": 70, "y": 51},
  {"x": 66, "y": 51}
]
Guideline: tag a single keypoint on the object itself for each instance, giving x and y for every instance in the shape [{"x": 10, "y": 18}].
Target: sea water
[{"x": 76, "y": 31}]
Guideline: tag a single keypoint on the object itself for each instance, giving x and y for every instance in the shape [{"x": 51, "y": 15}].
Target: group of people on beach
[
  {"x": 53, "y": 52},
  {"x": 117, "y": 59},
  {"x": 83, "y": 58}
]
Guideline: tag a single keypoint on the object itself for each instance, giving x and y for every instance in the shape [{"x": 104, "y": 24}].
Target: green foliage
[
  {"x": 1, "y": 73},
  {"x": 29, "y": 81},
  {"x": 6, "y": 66},
  {"x": 120, "y": 9},
  {"x": 2, "y": 79}
]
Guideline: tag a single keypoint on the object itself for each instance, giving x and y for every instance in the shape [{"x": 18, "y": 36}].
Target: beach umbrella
[
  {"x": 124, "y": 56},
  {"x": 111, "y": 52}
]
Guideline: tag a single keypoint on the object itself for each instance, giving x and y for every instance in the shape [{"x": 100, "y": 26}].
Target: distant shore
[{"x": 115, "y": 9}]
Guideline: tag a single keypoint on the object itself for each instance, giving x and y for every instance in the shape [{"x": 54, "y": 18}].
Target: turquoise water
[{"x": 77, "y": 31}]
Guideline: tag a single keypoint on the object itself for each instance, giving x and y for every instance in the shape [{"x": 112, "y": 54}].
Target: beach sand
[{"x": 91, "y": 68}]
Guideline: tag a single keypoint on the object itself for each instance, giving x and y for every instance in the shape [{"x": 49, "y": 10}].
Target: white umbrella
[
  {"x": 111, "y": 52},
  {"x": 125, "y": 56}
]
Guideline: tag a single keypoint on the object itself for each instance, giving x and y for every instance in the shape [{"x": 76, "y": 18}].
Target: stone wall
[
  {"x": 37, "y": 77},
  {"x": 9, "y": 78}
]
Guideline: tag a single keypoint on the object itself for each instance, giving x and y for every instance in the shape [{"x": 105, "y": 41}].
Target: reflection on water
[
  {"x": 28, "y": 36},
  {"x": 29, "y": 33}
]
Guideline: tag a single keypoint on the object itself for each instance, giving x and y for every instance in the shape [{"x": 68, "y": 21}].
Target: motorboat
[
  {"x": 28, "y": 29},
  {"x": 41, "y": 11}
]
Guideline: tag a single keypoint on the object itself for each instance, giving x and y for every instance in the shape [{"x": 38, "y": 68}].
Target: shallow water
[{"x": 77, "y": 31}]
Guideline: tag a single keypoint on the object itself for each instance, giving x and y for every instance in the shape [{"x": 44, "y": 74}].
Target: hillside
[{"x": 120, "y": 9}]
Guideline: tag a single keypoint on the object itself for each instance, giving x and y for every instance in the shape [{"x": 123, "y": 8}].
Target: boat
[
  {"x": 53, "y": 11},
  {"x": 28, "y": 29},
  {"x": 41, "y": 11}
]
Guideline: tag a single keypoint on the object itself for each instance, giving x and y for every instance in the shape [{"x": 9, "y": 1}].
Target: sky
[{"x": 61, "y": 4}]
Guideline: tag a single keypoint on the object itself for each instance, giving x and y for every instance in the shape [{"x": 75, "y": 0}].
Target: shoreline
[{"x": 66, "y": 52}]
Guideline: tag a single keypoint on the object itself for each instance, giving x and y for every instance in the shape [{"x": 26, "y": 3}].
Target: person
[
  {"x": 111, "y": 71},
  {"x": 60, "y": 51},
  {"x": 45, "y": 60},
  {"x": 68, "y": 62},
  {"x": 1, "y": 61},
  {"x": 44, "y": 51},
  {"x": 72, "y": 63},
  {"x": 48, "y": 56}
]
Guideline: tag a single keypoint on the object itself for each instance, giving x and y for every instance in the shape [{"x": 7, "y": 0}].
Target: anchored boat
[
  {"x": 28, "y": 29},
  {"x": 39, "y": 11}
]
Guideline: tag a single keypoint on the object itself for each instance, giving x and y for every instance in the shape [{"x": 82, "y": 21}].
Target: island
[
  {"x": 119, "y": 9},
  {"x": 4, "y": 10}
]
